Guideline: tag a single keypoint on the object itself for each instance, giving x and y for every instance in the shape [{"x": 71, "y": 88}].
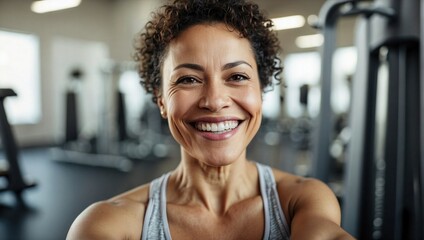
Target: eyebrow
[
  {"x": 200, "y": 68},
  {"x": 235, "y": 64},
  {"x": 191, "y": 66}
]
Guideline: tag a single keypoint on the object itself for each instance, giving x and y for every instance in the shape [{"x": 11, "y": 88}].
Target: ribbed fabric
[
  {"x": 156, "y": 226},
  {"x": 276, "y": 226}
]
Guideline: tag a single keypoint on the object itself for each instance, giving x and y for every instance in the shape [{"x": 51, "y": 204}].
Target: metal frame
[
  {"x": 400, "y": 146},
  {"x": 361, "y": 147},
  {"x": 321, "y": 163},
  {"x": 381, "y": 201},
  {"x": 16, "y": 183},
  {"x": 421, "y": 168},
  {"x": 329, "y": 14}
]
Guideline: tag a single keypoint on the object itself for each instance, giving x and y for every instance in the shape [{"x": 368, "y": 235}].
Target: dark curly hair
[{"x": 171, "y": 19}]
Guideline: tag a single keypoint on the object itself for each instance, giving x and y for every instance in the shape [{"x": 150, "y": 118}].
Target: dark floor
[{"x": 65, "y": 189}]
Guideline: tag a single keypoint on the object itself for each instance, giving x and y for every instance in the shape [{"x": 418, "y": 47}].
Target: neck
[{"x": 215, "y": 187}]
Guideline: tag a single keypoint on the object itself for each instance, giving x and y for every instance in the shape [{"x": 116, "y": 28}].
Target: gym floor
[{"x": 64, "y": 189}]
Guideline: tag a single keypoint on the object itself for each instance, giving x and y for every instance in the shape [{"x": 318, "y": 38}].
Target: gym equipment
[
  {"x": 384, "y": 190},
  {"x": 142, "y": 134},
  {"x": 72, "y": 127},
  {"x": 120, "y": 138},
  {"x": 11, "y": 171},
  {"x": 100, "y": 150}
]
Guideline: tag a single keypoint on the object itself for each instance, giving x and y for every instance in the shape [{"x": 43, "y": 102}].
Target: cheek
[
  {"x": 252, "y": 101},
  {"x": 178, "y": 104},
  {"x": 178, "y": 108}
]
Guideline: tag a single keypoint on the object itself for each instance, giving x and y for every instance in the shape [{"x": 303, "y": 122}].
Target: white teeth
[{"x": 216, "y": 127}]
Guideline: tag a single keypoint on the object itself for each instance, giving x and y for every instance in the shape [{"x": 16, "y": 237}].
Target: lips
[{"x": 216, "y": 127}]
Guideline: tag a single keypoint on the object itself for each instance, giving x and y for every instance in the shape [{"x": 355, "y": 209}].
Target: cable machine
[{"x": 384, "y": 192}]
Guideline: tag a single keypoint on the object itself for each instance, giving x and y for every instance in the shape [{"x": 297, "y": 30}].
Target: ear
[{"x": 161, "y": 106}]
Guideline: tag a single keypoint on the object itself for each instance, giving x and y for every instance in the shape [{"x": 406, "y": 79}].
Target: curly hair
[{"x": 171, "y": 19}]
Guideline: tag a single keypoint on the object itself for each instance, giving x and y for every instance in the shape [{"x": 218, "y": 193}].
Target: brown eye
[
  {"x": 187, "y": 80},
  {"x": 239, "y": 77}
]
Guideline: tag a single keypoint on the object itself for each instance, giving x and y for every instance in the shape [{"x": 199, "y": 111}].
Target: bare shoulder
[
  {"x": 309, "y": 204},
  {"x": 297, "y": 188},
  {"x": 294, "y": 189},
  {"x": 120, "y": 217}
]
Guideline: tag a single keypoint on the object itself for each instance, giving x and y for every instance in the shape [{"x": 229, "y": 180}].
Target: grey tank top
[{"x": 156, "y": 226}]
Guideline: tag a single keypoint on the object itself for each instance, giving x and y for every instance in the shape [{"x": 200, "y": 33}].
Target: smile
[{"x": 219, "y": 127}]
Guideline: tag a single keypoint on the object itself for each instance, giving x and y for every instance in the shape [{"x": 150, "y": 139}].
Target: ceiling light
[
  {"x": 289, "y": 22},
  {"x": 313, "y": 20},
  {"x": 309, "y": 41},
  {"x": 53, "y": 5}
]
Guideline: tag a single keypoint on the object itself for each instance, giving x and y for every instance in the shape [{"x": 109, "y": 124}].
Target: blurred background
[{"x": 81, "y": 129}]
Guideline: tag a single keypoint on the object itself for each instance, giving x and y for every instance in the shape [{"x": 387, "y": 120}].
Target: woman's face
[{"x": 211, "y": 93}]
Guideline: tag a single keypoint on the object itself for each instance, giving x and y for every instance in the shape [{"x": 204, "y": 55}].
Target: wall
[
  {"x": 129, "y": 17},
  {"x": 108, "y": 22}
]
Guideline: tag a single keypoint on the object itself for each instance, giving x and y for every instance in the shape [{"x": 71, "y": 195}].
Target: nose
[{"x": 214, "y": 97}]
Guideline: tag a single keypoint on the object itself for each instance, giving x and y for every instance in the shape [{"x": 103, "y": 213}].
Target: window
[
  {"x": 305, "y": 68},
  {"x": 19, "y": 70}
]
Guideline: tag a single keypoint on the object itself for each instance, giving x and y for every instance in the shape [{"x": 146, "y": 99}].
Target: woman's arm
[
  {"x": 315, "y": 212},
  {"x": 121, "y": 219}
]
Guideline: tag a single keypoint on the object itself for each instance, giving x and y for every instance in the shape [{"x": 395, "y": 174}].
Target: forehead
[{"x": 211, "y": 41}]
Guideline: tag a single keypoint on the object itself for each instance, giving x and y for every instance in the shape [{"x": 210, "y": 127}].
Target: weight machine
[
  {"x": 11, "y": 171},
  {"x": 102, "y": 149},
  {"x": 116, "y": 142},
  {"x": 384, "y": 173}
]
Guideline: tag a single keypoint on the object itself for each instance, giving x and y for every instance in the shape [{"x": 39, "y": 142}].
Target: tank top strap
[
  {"x": 155, "y": 224},
  {"x": 276, "y": 226}
]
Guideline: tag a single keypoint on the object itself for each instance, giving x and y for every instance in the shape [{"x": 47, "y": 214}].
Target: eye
[
  {"x": 238, "y": 77},
  {"x": 187, "y": 80}
]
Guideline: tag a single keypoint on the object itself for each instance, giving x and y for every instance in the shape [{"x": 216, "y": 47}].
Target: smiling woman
[
  {"x": 224, "y": 86},
  {"x": 207, "y": 64}
]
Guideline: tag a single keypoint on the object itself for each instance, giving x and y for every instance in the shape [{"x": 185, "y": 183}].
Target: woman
[{"x": 207, "y": 64}]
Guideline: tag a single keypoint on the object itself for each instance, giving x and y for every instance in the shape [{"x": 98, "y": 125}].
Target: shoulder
[
  {"x": 298, "y": 188},
  {"x": 120, "y": 217},
  {"x": 309, "y": 204},
  {"x": 295, "y": 191}
]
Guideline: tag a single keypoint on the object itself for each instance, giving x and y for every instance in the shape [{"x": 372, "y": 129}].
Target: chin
[
  {"x": 214, "y": 163},
  {"x": 221, "y": 161}
]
